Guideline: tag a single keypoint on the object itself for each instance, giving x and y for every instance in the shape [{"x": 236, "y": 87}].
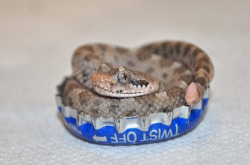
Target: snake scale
[{"x": 113, "y": 81}]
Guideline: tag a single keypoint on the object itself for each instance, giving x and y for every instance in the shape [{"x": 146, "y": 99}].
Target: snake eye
[{"x": 123, "y": 75}]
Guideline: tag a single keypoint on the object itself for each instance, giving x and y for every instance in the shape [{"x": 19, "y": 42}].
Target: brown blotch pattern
[
  {"x": 187, "y": 49},
  {"x": 202, "y": 81},
  {"x": 180, "y": 69},
  {"x": 130, "y": 63},
  {"x": 196, "y": 52},
  {"x": 164, "y": 75},
  {"x": 187, "y": 78},
  {"x": 121, "y": 50},
  {"x": 178, "y": 48},
  {"x": 165, "y": 63},
  {"x": 149, "y": 70},
  {"x": 144, "y": 55},
  {"x": 103, "y": 47},
  {"x": 164, "y": 47}
]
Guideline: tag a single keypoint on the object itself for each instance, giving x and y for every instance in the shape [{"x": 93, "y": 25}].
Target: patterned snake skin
[{"x": 112, "y": 81}]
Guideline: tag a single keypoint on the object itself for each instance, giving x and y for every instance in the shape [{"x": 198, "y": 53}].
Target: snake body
[{"x": 113, "y": 81}]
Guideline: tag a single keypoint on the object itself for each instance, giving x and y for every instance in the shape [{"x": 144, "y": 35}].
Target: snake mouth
[{"x": 118, "y": 93}]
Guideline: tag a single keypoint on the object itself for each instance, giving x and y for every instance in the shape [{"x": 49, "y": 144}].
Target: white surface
[{"x": 38, "y": 37}]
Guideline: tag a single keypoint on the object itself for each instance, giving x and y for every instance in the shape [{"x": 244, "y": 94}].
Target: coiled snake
[{"x": 112, "y": 81}]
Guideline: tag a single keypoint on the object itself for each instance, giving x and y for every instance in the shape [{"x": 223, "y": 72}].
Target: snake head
[{"x": 122, "y": 82}]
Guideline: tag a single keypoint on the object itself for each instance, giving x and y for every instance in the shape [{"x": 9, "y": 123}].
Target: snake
[{"x": 114, "y": 81}]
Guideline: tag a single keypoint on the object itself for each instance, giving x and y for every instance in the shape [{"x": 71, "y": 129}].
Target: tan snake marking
[{"x": 112, "y": 81}]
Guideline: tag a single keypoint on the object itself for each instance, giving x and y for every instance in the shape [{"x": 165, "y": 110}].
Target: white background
[{"x": 37, "y": 39}]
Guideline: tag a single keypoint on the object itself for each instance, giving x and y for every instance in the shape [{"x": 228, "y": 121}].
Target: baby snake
[{"x": 113, "y": 81}]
